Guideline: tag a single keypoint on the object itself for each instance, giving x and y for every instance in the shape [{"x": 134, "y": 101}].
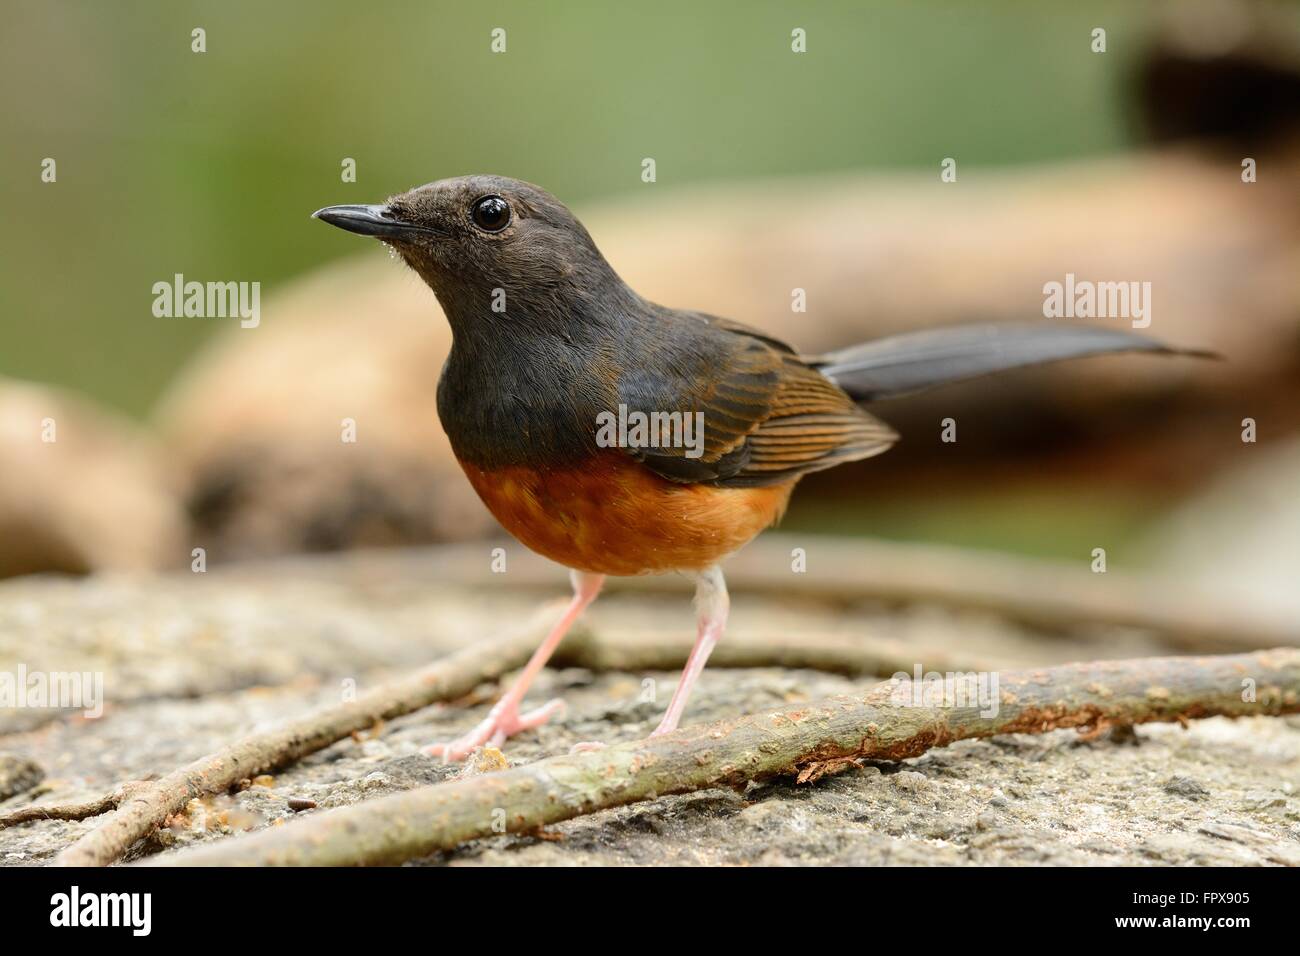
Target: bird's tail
[{"x": 913, "y": 361}]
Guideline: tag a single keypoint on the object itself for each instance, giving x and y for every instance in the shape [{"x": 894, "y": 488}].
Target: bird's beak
[{"x": 377, "y": 221}]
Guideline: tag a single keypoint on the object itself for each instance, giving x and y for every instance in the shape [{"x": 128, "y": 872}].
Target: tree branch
[
  {"x": 805, "y": 740},
  {"x": 852, "y": 655},
  {"x": 1053, "y": 595},
  {"x": 152, "y": 802},
  {"x": 454, "y": 676},
  {"x": 81, "y": 810}
]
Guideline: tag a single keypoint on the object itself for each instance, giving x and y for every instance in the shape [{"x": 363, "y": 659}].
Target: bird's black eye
[{"x": 491, "y": 213}]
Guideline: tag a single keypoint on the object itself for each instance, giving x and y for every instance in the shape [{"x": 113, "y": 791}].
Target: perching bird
[{"x": 550, "y": 346}]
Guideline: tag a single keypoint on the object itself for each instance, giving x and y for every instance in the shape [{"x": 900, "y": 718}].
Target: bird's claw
[{"x": 500, "y": 723}]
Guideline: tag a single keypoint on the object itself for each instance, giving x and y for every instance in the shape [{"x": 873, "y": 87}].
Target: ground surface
[{"x": 192, "y": 662}]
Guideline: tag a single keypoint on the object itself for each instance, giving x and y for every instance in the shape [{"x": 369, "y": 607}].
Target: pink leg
[
  {"x": 711, "y": 605},
  {"x": 504, "y": 719}
]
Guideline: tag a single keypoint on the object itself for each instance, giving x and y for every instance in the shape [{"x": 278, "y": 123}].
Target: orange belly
[{"x": 612, "y": 515}]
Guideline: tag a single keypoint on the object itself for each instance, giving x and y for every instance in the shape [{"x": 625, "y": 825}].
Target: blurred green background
[{"x": 209, "y": 164}]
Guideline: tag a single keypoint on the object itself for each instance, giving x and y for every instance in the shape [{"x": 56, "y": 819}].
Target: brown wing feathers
[
  {"x": 811, "y": 425},
  {"x": 768, "y": 417}
]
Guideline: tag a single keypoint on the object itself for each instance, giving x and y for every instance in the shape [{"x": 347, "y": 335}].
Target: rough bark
[{"x": 806, "y": 740}]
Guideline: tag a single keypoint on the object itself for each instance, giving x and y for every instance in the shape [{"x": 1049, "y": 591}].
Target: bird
[{"x": 558, "y": 370}]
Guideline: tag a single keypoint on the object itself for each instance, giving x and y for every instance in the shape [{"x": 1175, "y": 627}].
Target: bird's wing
[
  {"x": 766, "y": 417},
  {"x": 813, "y": 425}
]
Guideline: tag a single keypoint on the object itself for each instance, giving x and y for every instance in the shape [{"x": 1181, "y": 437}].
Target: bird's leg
[
  {"x": 711, "y": 606},
  {"x": 505, "y": 719}
]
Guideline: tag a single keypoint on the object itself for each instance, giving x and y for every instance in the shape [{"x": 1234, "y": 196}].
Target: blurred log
[
  {"x": 1222, "y": 73},
  {"x": 1050, "y": 595},
  {"x": 256, "y": 421},
  {"x": 1240, "y": 537},
  {"x": 81, "y": 489},
  {"x": 853, "y": 655}
]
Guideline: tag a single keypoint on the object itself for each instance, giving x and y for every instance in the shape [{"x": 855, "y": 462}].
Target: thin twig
[
  {"x": 852, "y": 655},
  {"x": 805, "y": 740},
  {"x": 449, "y": 678},
  {"x": 153, "y": 802},
  {"x": 1056, "y": 595},
  {"x": 81, "y": 810}
]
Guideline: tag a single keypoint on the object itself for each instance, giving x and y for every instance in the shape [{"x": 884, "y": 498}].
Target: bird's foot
[
  {"x": 587, "y": 746},
  {"x": 500, "y": 723}
]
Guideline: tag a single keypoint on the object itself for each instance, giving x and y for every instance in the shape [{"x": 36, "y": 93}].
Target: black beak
[{"x": 377, "y": 221}]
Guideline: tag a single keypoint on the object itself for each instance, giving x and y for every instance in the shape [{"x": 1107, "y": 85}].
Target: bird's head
[{"x": 478, "y": 239}]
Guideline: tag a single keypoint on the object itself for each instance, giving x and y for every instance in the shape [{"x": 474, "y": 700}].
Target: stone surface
[
  {"x": 18, "y": 775},
  {"x": 191, "y": 662}
]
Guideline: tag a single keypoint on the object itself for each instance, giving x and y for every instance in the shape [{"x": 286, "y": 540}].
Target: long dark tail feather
[{"x": 913, "y": 361}]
